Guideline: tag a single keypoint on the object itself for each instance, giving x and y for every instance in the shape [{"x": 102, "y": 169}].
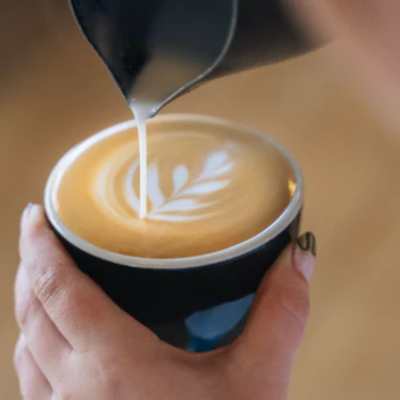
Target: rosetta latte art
[{"x": 188, "y": 199}]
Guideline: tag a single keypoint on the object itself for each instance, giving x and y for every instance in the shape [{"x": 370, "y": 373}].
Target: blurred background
[{"x": 54, "y": 92}]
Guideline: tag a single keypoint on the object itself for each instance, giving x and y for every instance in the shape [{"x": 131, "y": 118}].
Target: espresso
[{"x": 210, "y": 185}]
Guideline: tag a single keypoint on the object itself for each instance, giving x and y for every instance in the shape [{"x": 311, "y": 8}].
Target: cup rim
[{"x": 238, "y": 250}]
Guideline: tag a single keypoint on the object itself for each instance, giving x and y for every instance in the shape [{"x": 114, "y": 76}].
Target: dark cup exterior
[{"x": 197, "y": 308}]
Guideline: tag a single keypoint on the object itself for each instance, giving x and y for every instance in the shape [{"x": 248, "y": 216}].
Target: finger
[
  {"x": 280, "y": 311},
  {"x": 33, "y": 383},
  {"x": 48, "y": 346},
  {"x": 81, "y": 311}
]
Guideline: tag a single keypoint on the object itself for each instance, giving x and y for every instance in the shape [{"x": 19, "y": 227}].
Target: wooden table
[{"x": 61, "y": 94}]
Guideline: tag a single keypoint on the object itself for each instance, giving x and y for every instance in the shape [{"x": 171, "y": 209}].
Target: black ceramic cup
[{"x": 197, "y": 303}]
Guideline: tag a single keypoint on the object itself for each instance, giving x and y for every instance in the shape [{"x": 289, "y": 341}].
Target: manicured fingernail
[
  {"x": 304, "y": 254},
  {"x": 308, "y": 243},
  {"x": 25, "y": 214}
]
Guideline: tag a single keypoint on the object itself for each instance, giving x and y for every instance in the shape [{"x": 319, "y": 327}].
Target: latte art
[
  {"x": 188, "y": 197},
  {"x": 209, "y": 187}
]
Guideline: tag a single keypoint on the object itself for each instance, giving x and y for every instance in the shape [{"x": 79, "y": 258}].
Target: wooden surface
[{"x": 61, "y": 94}]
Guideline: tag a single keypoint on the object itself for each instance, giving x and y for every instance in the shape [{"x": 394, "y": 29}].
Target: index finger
[{"x": 77, "y": 306}]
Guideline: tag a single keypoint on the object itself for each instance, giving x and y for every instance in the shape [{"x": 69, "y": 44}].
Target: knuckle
[
  {"x": 294, "y": 300},
  {"x": 47, "y": 286},
  {"x": 20, "y": 355},
  {"x": 28, "y": 390},
  {"x": 23, "y": 310}
]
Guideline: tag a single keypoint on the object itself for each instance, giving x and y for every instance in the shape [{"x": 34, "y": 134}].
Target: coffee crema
[{"x": 211, "y": 185}]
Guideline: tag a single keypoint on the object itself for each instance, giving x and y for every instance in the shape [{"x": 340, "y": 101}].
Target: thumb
[{"x": 280, "y": 311}]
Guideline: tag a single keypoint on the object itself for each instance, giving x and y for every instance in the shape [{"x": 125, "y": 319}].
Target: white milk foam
[{"x": 186, "y": 202}]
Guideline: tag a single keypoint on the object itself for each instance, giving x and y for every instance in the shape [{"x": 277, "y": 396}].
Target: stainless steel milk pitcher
[{"x": 175, "y": 45}]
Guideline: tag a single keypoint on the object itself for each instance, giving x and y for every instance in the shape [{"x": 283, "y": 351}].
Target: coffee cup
[{"x": 199, "y": 260}]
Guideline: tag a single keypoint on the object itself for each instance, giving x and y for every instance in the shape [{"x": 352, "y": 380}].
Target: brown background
[{"x": 54, "y": 92}]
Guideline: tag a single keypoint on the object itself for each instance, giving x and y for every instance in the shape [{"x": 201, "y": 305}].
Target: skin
[{"x": 76, "y": 344}]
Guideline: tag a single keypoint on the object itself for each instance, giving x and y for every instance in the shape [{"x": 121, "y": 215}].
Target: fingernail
[
  {"x": 307, "y": 243},
  {"x": 25, "y": 214},
  {"x": 32, "y": 217},
  {"x": 304, "y": 254}
]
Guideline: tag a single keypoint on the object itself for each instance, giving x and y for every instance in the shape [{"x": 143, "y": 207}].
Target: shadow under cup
[{"x": 197, "y": 303}]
